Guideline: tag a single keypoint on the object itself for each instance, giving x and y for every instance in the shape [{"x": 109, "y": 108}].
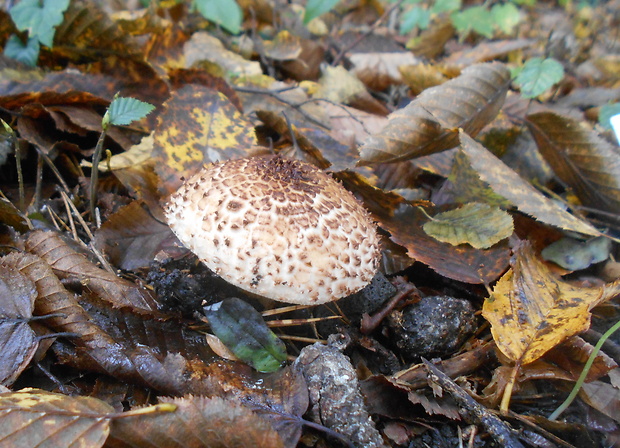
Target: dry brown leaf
[
  {"x": 69, "y": 264},
  {"x": 379, "y": 70},
  {"x": 132, "y": 237},
  {"x": 603, "y": 397},
  {"x": 197, "y": 422},
  {"x": 204, "y": 47},
  {"x": 428, "y": 124},
  {"x": 580, "y": 158},
  {"x": 531, "y": 310},
  {"x": 34, "y": 417},
  {"x": 505, "y": 182},
  {"x": 18, "y": 342}
]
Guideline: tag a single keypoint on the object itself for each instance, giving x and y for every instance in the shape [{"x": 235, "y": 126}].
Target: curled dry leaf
[
  {"x": 18, "y": 342},
  {"x": 505, "y": 182},
  {"x": 68, "y": 264},
  {"x": 215, "y": 422},
  {"x": 586, "y": 162},
  {"x": 428, "y": 124},
  {"x": 531, "y": 310},
  {"x": 33, "y": 417}
]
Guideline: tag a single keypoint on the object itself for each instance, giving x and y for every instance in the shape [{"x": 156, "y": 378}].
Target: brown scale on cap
[{"x": 276, "y": 227}]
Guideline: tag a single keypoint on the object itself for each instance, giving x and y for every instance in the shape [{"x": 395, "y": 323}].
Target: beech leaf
[
  {"x": 477, "y": 224},
  {"x": 531, "y": 310},
  {"x": 196, "y": 422},
  {"x": 526, "y": 198},
  {"x": 428, "y": 124},
  {"x": 579, "y": 157},
  {"x": 33, "y": 417},
  {"x": 18, "y": 341}
]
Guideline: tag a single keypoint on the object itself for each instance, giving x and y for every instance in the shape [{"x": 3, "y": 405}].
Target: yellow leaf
[{"x": 531, "y": 310}]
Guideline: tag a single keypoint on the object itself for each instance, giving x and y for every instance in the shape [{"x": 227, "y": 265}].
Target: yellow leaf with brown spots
[
  {"x": 198, "y": 126},
  {"x": 531, "y": 310}
]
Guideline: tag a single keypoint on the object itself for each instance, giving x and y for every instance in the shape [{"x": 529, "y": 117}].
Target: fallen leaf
[
  {"x": 428, "y": 124},
  {"x": 198, "y": 126},
  {"x": 462, "y": 263},
  {"x": 586, "y": 162},
  {"x": 574, "y": 255},
  {"x": 477, "y": 224},
  {"x": 69, "y": 264},
  {"x": 18, "y": 342},
  {"x": 603, "y": 397},
  {"x": 506, "y": 183},
  {"x": 242, "y": 329},
  {"x": 34, "y": 417},
  {"x": 531, "y": 311},
  {"x": 132, "y": 237},
  {"x": 196, "y": 422}
]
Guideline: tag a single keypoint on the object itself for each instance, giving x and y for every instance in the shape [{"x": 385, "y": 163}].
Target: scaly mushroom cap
[{"x": 276, "y": 227}]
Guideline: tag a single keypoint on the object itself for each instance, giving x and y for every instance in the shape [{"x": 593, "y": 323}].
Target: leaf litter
[{"x": 104, "y": 300}]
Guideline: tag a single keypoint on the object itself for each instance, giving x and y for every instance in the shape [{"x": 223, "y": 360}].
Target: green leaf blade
[
  {"x": 124, "y": 110},
  {"x": 39, "y": 20},
  {"x": 415, "y": 17},
  {"x": 539, "y": 75},
  {"x": 315, "y": 8},
  {"x": 225, "y": 13},
  {"x": 242, "y": 330},
  {"x": 27, "y": 54}
]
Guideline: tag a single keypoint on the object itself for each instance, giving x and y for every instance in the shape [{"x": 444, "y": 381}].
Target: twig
[{"x": 472, "y": 410}]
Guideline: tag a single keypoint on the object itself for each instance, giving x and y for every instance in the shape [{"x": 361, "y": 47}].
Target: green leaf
[
  {"x": 123, "y": 111},
  {"x": 415, "y": 17},
  {"x": 475, "y": 223},
  {"x": 476, "y": 18},
  {"x": 39, "y": 20},
  {"x": 446, "y": 6},
  {"x": 506, "y": 17},
  {"x": 225, "y": 13},
  {"x": 575, "y": 255},
  {"x": 606, "y": 112},
  {"x": 314, "y": 8},
  {"x": 243, "y": 331},
  {"x": 538, "y": 75},
  {"x": 25, "y": 53}
]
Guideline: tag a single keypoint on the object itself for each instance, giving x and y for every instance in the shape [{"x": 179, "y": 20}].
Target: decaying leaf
[
  {"x": 69, "y": 264},
  {"x": 531, "y": 311},
  {"x": 586, "y": 162},
  {"x": 574, "y": 255},
  {"x": 477, "y": 224},
  {"x": 198, "y": 126},
  {"x": 197, "y": 422},
  {"x": 132, "y": 236},
  {"x": 526, "y": 198},
  {"x": 463, "y": 263},
  {"x": 469, "y": 101},
  {"x": 33, "y": 417},
  {"x": 18, "y": 341}
]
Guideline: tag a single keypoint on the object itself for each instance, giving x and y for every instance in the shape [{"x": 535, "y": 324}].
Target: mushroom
[{"x": 276, "y": 227}]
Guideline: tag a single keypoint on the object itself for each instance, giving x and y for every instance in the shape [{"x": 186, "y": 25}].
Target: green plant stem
[
  {"x": 20, "y": 173},
  {"x": 94, "y": 176},
  {"x": 584, "y": 373}
]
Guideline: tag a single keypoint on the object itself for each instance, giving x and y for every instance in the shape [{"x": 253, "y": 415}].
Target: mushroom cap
[{"x": 276, "y": 227}]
